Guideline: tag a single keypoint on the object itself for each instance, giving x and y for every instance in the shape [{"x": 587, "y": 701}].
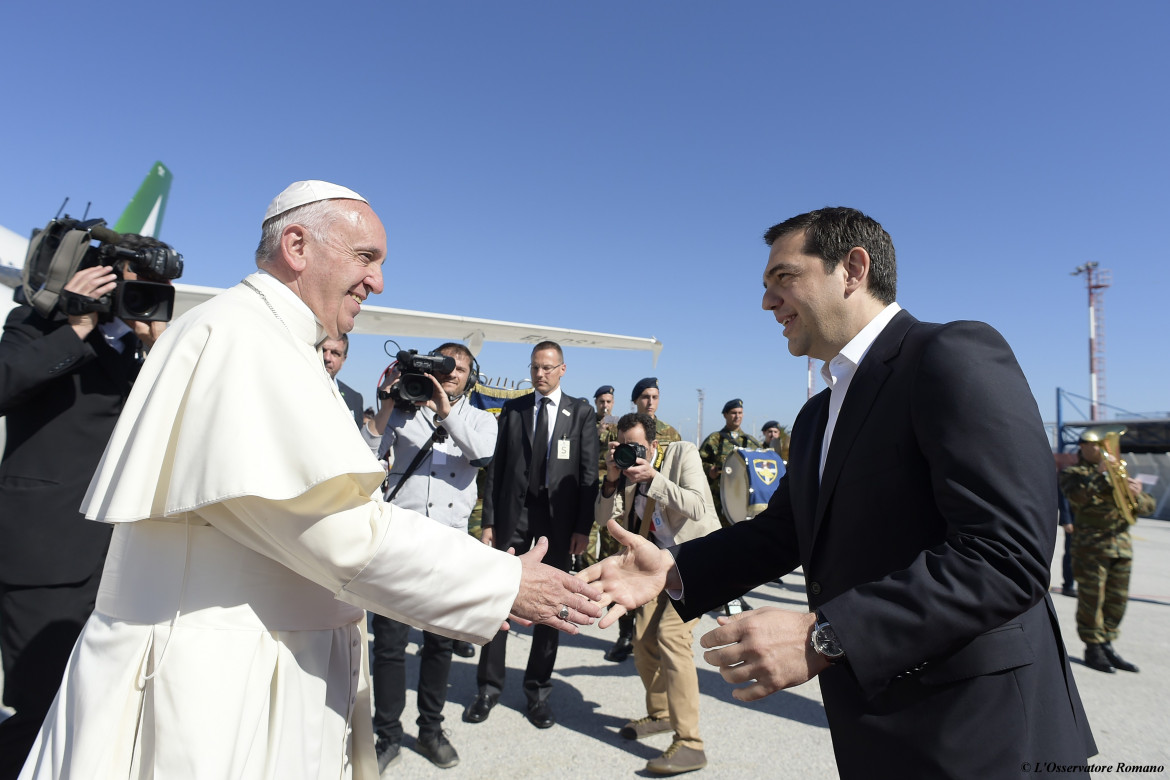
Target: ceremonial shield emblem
[{"x": 765, "y": 469}]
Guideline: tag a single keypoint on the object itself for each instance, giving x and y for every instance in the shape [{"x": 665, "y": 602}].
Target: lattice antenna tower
[{"x": 1097, "y": 280}]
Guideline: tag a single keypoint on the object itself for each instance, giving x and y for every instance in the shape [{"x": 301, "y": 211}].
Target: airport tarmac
[{"x": 786, "y": 734}]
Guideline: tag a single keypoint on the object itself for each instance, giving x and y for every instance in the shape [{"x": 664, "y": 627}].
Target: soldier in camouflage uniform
[
  {"x": 606, "y": 432},
  {"x": 776, "y": 438},
  {"x": 713, "y": 453},
  {"x": 722, "y": 443},
  {"x": 1102, "y": 551},
  {"x": 645, "y": 397},
  {"x": 600, "y": 544}
]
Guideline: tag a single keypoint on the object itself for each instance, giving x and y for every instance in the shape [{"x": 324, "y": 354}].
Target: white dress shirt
[{"x": 838, "y": 372}]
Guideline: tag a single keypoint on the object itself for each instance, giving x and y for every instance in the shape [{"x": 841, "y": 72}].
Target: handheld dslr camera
[
  {"x": 414, "y": 383},
  {"x": 626, "y": 455},
  {"x": 63, "y": 248}
]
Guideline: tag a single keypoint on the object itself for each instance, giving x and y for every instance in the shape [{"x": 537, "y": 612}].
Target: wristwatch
[{"x": 824, "y": 641}]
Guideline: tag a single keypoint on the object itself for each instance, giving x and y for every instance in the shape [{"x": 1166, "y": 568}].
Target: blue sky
[{"x": 612, "y": 166}]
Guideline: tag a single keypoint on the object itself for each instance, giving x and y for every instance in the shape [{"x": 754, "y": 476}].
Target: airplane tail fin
[{"x": 144, "y": 214}]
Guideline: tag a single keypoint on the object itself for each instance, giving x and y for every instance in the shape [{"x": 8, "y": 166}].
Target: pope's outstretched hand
[
  {"x": 551, "y": 596},
  {"x": 632, "y": 578}
]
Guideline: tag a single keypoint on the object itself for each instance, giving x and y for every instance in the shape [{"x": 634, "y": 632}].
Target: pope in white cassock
[{"x": 250, "y": 535}]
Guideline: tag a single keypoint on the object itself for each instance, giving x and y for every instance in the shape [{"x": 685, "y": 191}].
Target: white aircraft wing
[{"x": 473, "y": 331}]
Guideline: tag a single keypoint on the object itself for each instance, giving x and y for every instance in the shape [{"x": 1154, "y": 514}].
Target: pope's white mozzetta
[{"x": 228, "y": 638}]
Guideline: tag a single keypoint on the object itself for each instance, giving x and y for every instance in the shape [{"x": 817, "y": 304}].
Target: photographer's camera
[{"x": 626, "y": 455}]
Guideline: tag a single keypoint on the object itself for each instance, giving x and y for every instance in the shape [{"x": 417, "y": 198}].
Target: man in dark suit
[
  {"x": 542, "y": 481},
  {"x": 918, "y": 500},
  {"x": 63, "y": 382},
  {"x": 334, "y": 352}
]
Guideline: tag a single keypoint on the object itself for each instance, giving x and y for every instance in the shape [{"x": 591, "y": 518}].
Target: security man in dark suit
[
  {"x": 542, "y": 481},
  {"x": 334, "y": 352},
  {"x": 63, "y": 382},
  {"x": 918, "y": 500}
]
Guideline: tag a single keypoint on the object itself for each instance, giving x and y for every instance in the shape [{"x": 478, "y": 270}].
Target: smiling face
[
  {"x": 809, "y": 303},
  {"x": 454, "y": 383},
  {"x": 344, "y": 268}
]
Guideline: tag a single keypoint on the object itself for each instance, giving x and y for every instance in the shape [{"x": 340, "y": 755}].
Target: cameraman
[
  {"x": 442, "y": 486},
  {"x": 663, "y": 495},
  {"x": 63, "y": 381}
]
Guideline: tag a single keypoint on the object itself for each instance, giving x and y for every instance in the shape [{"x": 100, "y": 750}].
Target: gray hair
[{"x": 317, "y": 218}]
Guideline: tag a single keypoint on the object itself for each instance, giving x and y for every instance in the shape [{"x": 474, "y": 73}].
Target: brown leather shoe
[
  {"x": 676, "y": 760},
  {"x": 645, "y": 727}
]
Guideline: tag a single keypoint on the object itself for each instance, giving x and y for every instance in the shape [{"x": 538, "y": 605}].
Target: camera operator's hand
[
  {"x": 385, "y": 406},
  {"x": 392, "y": 377},
  {"x": 147, "y": 332},
  {"x": 93, "y": 282},
  {"x": 612, "y": 472},
  {"x": 439, "y": 403},
  {"x": 641, "y": 471}
]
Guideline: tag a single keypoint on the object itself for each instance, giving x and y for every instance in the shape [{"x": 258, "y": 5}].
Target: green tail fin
[{"x": 144, "y": 215}]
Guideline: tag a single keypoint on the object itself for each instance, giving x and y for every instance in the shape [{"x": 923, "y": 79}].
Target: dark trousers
[
  {"x": 388, "y": 668},
  {"x": 38, "y": 628},
  {"x": 543, "y": 655}
]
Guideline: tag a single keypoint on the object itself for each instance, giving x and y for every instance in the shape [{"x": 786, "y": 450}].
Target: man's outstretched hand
[
  {"x": 628, "y": 580},
  {"x": 544, "y": 590}
]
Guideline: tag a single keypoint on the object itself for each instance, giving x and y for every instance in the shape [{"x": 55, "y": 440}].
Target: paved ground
[{"x": 785, "y": 735}]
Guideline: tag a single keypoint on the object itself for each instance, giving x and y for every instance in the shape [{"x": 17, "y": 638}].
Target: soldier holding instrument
[{"x": 1105, "y": 503}]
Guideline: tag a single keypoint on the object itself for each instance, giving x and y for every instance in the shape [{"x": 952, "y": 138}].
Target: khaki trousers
[{"x": 665, "y": 660}]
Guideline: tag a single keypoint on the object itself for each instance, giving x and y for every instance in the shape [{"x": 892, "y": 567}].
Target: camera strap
[{"x": 439, "y": 435}]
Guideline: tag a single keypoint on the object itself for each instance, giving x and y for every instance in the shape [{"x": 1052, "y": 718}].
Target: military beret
[
  {"x": 603, "y": 390},
  {"x": 770, "y": 424},
  {"x": 650, "y": 381},
  {"x": 734, "y": 403}
]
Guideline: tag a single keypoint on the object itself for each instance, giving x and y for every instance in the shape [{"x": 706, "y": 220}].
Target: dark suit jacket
[
  {"x": 60, "y": 397},
  {"x": 927, "y": 546},
  {"x": 353, "y": 399},
  {"x": 572, "y": 481}
]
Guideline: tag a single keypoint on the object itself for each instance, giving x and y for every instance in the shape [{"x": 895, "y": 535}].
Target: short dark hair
[
  {"x": 550, "y": 345},
  {"x": 456, "y": 348},
  {"x": 830, "y": 233},
  {"x": 632, "y": 419},
  {"x": 344, "y": 339}
]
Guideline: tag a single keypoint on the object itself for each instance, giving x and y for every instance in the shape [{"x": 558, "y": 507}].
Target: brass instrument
[{"x": 1108, "y": 439}]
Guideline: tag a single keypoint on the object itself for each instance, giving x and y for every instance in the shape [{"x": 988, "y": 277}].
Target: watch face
[{"x": 825, "y": 642}]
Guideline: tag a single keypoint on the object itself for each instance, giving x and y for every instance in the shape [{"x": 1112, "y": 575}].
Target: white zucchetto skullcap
[{"x": 301, "y": 193}]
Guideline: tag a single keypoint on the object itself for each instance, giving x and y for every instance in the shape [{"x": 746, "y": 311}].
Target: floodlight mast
[
  {"x": 1097, "y": 280},
  {"x": 699, "y": 424}
]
